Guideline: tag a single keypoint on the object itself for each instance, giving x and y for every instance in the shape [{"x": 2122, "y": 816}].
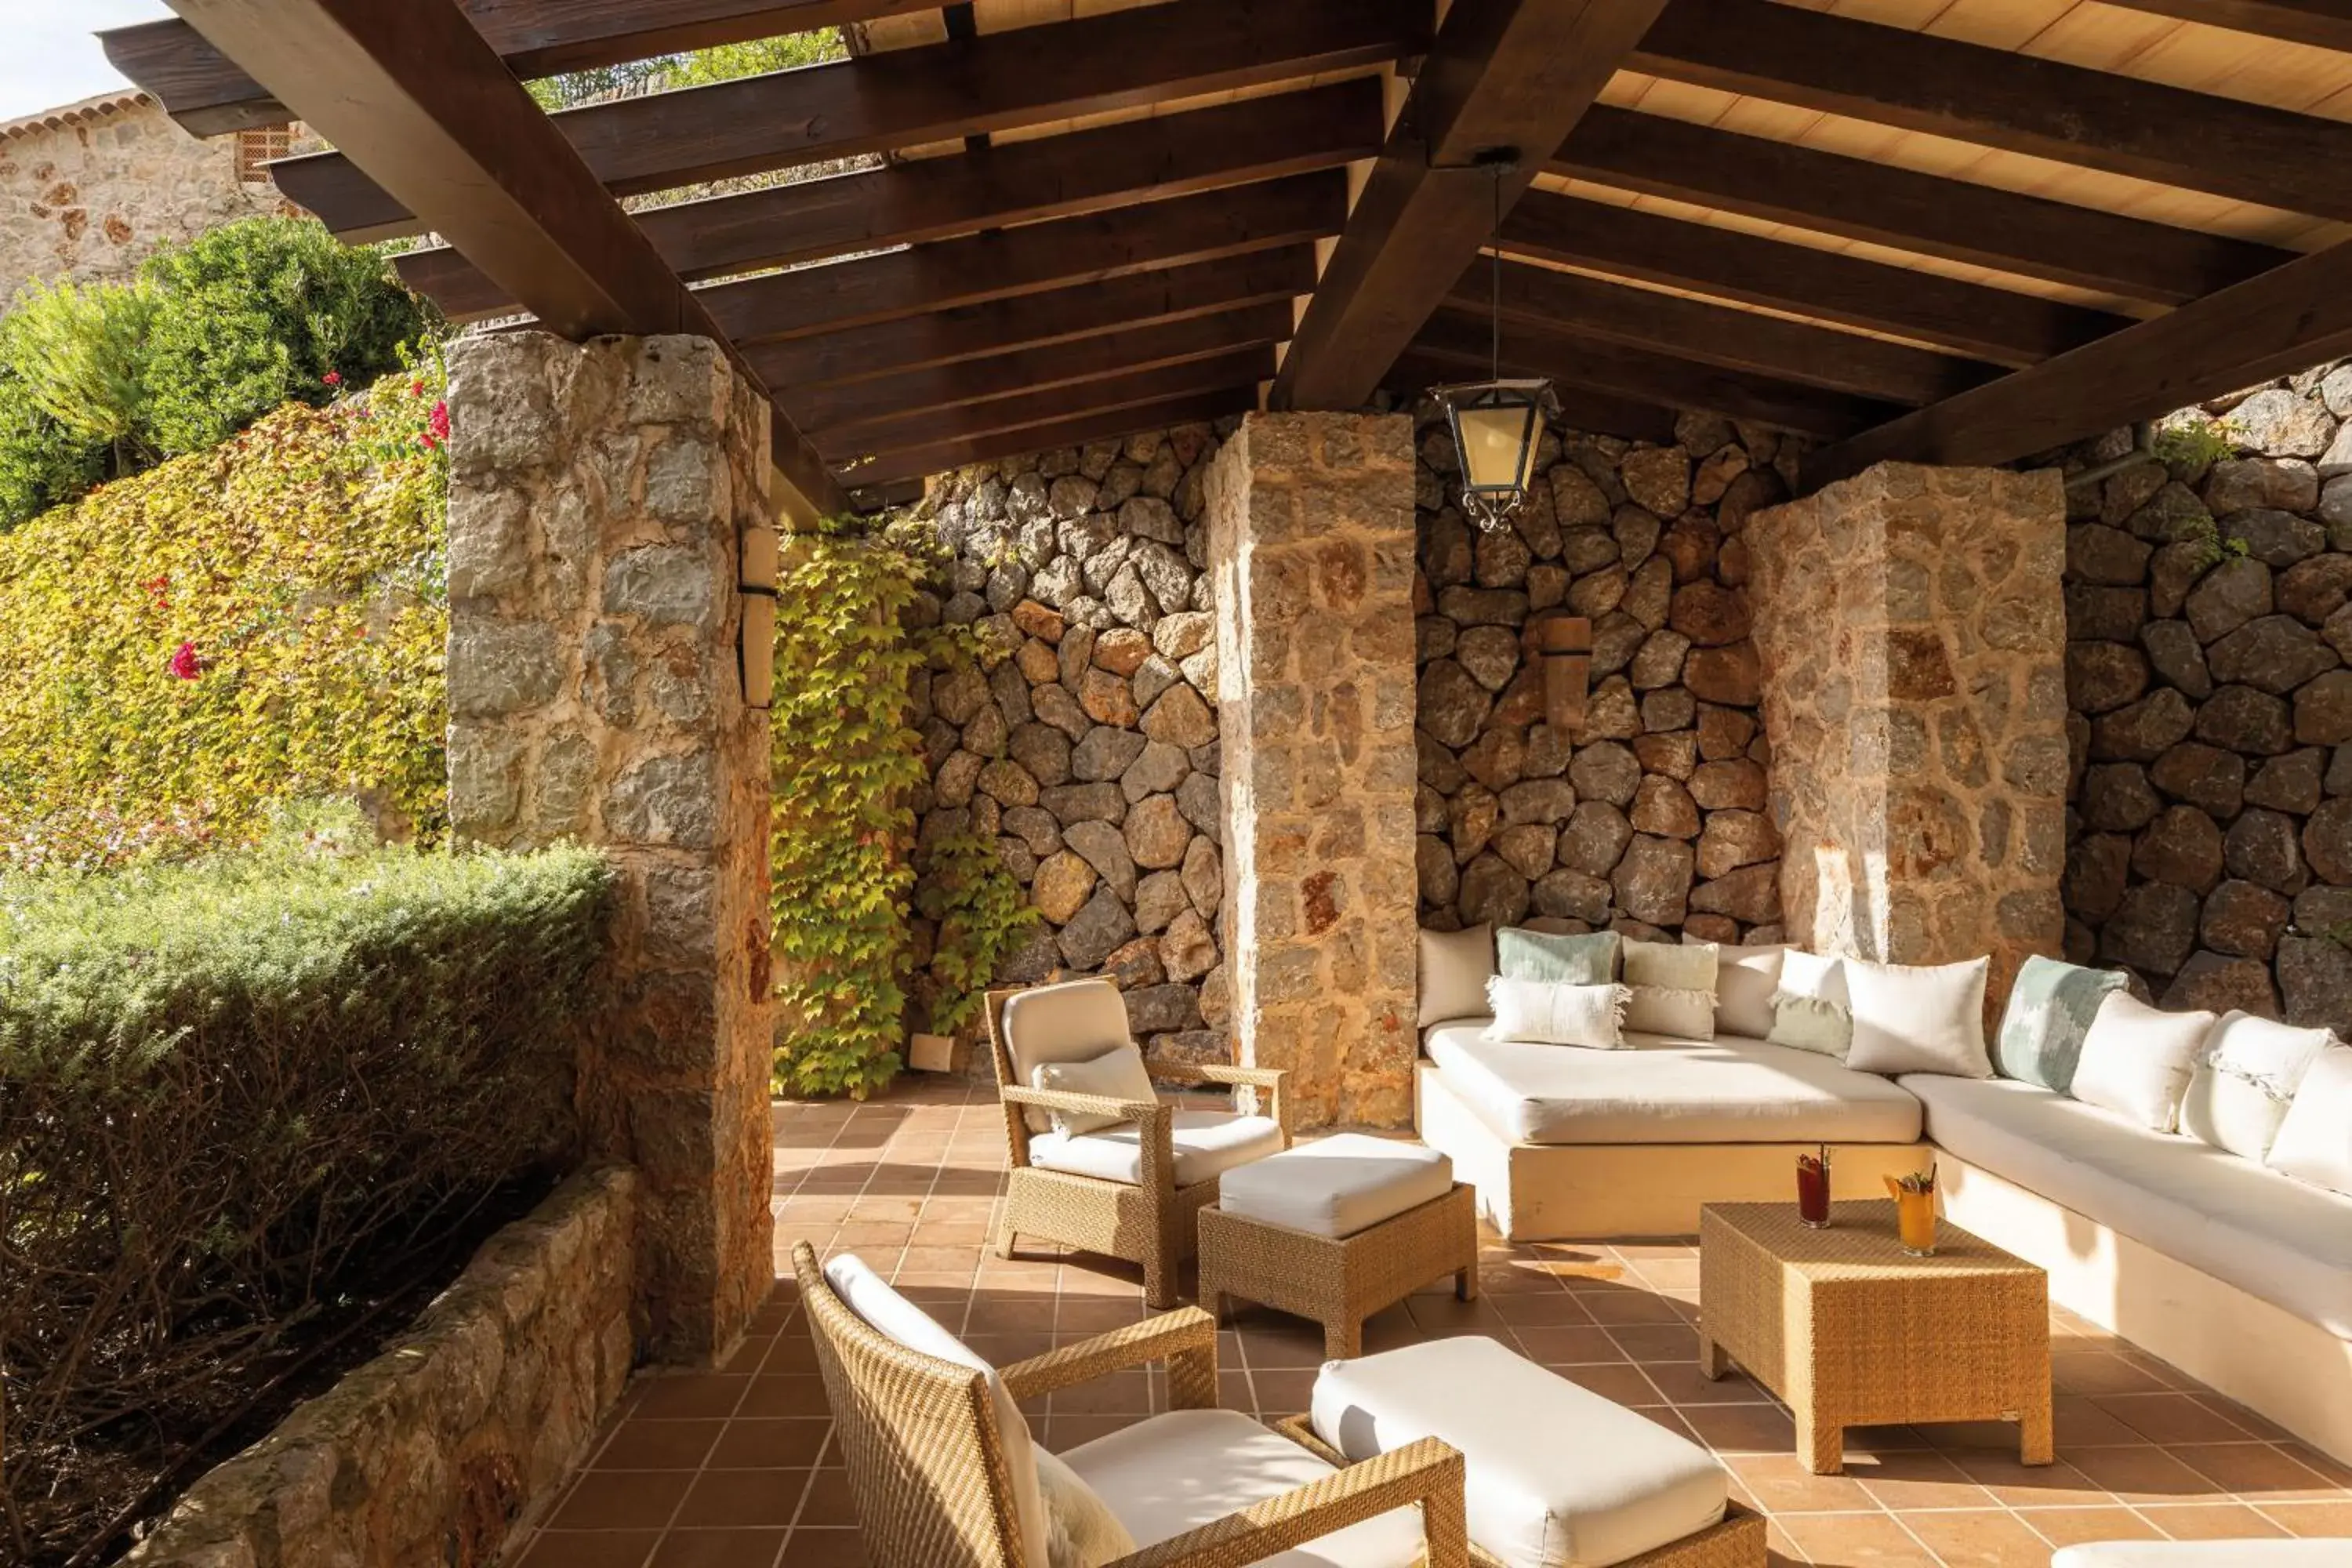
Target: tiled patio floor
[{"x": 732, "y": 1468}]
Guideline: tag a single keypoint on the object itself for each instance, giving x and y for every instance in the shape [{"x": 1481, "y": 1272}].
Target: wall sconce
[
  {"x": 756, "y": 647},
  {"x": 1564, "y": 644}
]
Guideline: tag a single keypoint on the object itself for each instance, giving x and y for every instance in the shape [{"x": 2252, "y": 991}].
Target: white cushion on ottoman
[
  {"x": 1557, "y": 1476},
  {"x": 2269, "y": 1554},
  {"x": 1337, "y": 1186}
]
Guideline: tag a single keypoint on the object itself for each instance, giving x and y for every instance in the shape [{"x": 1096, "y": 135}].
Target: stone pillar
[
  {"x": 1311, "y": 541},
  {"x": 598, "y": 498},
  {"x": 1913, "y": 637}
]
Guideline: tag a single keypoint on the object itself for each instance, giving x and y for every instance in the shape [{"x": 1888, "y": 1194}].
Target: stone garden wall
[
  {"x": 1090, "y": 753},
  {"x": 2209, "y": 626},
  {"x": 1652, "y": 819}
]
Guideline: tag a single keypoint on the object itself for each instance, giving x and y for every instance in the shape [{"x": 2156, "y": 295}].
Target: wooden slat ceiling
[{"x": 1938, "y": 230}]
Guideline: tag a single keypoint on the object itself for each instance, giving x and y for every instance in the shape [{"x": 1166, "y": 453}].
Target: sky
[{"x": 51, "y": 55}]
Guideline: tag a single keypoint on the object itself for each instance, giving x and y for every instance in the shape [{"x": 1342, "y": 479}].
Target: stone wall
[
  {"x": 90, "y": 197},
  {"x": 437, "y": 1449},
  {"x": 1090, "y": 753},
  {"x": 1651, "y": 819},
  {"x": 1911, "y": 635},
  {"x": 2206, "y": 609},
  {"x": 598, "y": 498}
]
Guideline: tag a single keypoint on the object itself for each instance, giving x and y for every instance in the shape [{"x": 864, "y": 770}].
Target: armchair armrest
[
  {"x": 1426, "y": 1472},
  {"x": 1186, "y": 1339},
  {"x": 1267, "y": 1078}
]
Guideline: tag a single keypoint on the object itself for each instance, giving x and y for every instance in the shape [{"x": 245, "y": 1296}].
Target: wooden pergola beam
[
  {"x": 940, "y": 93},
  {"x": 210, "y": 95},
  {"x": 2288, "y": 318},
  {"x": 416, "y": 96},
  {"x": 1503, "y": 76},
  {"x": 1926, "y": 214},
  {"x": 2322, "y": 24},
  {"x": 1995, "y": 97},
  {"x": 1967, "y": 319},
  {"x": 1105, "y": 425},
  {"x": 932, "y": 198}
]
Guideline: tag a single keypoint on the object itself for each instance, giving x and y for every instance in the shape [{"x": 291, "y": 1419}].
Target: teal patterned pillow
[
  {"x": 2050, "y": 1010},
  {"x": 1562, "y": 960}
]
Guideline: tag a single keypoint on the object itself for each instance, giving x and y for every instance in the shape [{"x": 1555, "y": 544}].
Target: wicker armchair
[
  {"x": 928, "y": 1472},
  {"x": 1148, "y": 1220}
]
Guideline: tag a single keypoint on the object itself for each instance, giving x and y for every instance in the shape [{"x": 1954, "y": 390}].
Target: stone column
[
  {"x": 1913, "y": 637},
  {"x": 598, "y": 498},
  {"x": 1311, "y": 540}
]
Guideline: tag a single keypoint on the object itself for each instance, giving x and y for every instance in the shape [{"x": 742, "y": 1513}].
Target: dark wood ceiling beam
[
  {"x": 1594, "y": 413},
  {"x": 940, "y": 93},
  {"x": 829, "y": 413},
  {"x": 2290, "y": 317},
  {"x": 1271, "y": 216},
  {"x": 1030, "y": 321},
  {"x": 1235, "y": 368},
  {"x": 1502, "y": 75},
  {"x": 1667, "y": 380},
  {"x": 1103, "y": 425},
  {"x": 210, "y": 95},
  {"x": 1994, "y": 97},
  {"x": 1965, "y": 319},
  {"x": 1926, "y": 214},
  {"x": 416, "y": 96},
  {"x": 2324, "y": 24},
  {"x": 1721, "y": 335},
  {"x": 932, "y": 198}
]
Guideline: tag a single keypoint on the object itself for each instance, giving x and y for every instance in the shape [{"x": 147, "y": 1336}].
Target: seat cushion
[
  {"x": 1075, "y": 1021},
  {"x": 1179, "y": 1472},
  {"x": 1666, "y": 1088},
  {"x": 2269, "y": 1234},
  {"x": 1556, "y": 1474},
  {"x": 1207, "y": 1143},
  {"x": 1338, "y": 1185},
  {"x": 1454, "y": 968}
]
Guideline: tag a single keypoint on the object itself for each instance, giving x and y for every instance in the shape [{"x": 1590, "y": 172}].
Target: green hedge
[{"x": 230, "y": 1087}]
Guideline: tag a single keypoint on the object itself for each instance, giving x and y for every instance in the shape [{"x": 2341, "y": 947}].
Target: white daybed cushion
[
  {"x": 2314, "y": 1142},
  {"x": 889, "y": 1313},
  {"x": 1918, "y": 1017},
  {"x": 1116, "y": 1074},
  {"x": 1549, "y": 1012},
  {"x": 1664, "y": 1090},
  {"x": 2136, "y": 1060},
  {"x": 1206, "y": 1143},
  {"x": 1454, "y": 968},
  {"x": 2275, "y": 1553},
  {"x": 1179, "y": 1472},
  {"x": 1075, "y": 1021},
  {"x": 1338, "y": 1185},
  {"x": 1745, "y": 981},
  {"x": 2269, "y": 1234},
  {"x": 1556, "y": 1474},
  {"x": 2245, "y": 1079}
]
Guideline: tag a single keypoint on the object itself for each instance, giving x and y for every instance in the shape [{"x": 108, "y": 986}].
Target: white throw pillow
[
  {"x": 2245, "y": 1078},
  {"x": 1745, "y": 981},
  {"x": 1116, "y": 1074},
  {"x": 1811, "y": 1010},
  {"x": 1545, "y": 1012},
  {"x": 1673, "y": 986},
  {"x": 1454, "y": 968},
  {"x": 2314, "y": 1141},
  {"x": 890, "y": 1314},
  {"x": 1081, "y": 1531},
  {"x": 1918, "y": 1017},
  {"x": 2136, "y": 1060}
]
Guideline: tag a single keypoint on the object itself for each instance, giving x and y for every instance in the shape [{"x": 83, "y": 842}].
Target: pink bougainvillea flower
[
  {"x": 333, "y": 378},
  {"x": 185, "y": 665},
  {"x": 416, "y": 389},
  {"x": 439, "y": 420}
]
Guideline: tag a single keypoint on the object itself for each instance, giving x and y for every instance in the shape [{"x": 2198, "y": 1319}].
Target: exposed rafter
[
  {"x": 906, "y": 96},
  {"x": 1102, "y": 426},
  {"x": 2325, "y": 24},
  {"x": 1503, "y": 74}
]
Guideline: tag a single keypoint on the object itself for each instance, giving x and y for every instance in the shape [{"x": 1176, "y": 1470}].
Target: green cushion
[
  {"x": 2050, "y": 1010},
  {"x": 1559, "y": 959}
]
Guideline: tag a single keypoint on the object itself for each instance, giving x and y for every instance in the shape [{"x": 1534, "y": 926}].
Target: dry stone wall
[
  {"x": 1087, "y": 746},
  {"x": 1652, "y": 819},
  {"x": 2209, "y": 608}
]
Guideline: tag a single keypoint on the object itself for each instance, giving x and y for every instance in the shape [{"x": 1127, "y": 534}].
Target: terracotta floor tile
[
  {"x": 590, "y": 1549},
  {"x": 1656, "y": 1341},
  {"x": 793, "y": 1393},
  {"x": 750, "y": 1444},
  {"x": 2210, "y": 1522},
  {"x": 2142, "y": 1475},
  {"x": 740, "y": 1498},
  {"x": 1631, "y": 1306},
  {"x": 1545, "y": 1308},
  {"x": 1559, "y": 1344},
  {"x": 1921, "y": 1478},
  {"x": 645, "y": 1444},
  {"x": 2100, "y": 1371},
  {"x": 2259, "y": 1472},
  {"x": 2073, "y": 1526},
  {"x": 622, "y": 1499},
  {"x": 719, "y": 1549},
  {"x": 1742, "y": 1428},
  {"x": 827, "y": 1503},
  {"x": 1681, "y": 1384},
  {"x": 2080, "y": 1424},
  {"x": 2172, "y": 1418},
  {"x": 1856, "y": 1540},
  {"x": 687, "y": 1394},
  {"x": 2312, "y": 1519},
  {"x": 1972, "y": 1538},
  {"x": 1620, "y": 1381},
  {"x": 1779, "y": 1484},
  {"x": 2031, "y": 1485},
  {"x": 824, "y": 1548}
]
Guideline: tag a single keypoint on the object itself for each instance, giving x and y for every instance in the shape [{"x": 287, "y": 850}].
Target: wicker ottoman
[{"x": 1337, "y": 1229}]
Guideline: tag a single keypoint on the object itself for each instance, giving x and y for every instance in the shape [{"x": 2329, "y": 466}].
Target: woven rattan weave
[
  {"x": 1150, "y": 1222},
  {"x": 1850, "y": 1330},
  {"x": 926, "y": 1461},
  {"x": 1340, "y": 1281}
]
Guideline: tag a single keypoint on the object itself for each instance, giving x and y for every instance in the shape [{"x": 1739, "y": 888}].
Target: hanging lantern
[{"x": 1497, "y": 425}]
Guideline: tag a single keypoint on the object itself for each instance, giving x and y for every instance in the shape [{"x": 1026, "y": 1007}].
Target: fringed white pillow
[{"x": 1546, "y": 1012}]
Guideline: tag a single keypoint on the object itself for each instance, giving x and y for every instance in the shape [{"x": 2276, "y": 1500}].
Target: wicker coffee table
[{"x": 1850, "y": 1331}]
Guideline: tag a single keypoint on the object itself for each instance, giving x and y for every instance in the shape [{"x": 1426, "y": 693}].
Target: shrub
[
  {"x": 232, "y": 1087},
  {"x": 77, "y": 355},
  {"x": 258, "y": 623}
]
